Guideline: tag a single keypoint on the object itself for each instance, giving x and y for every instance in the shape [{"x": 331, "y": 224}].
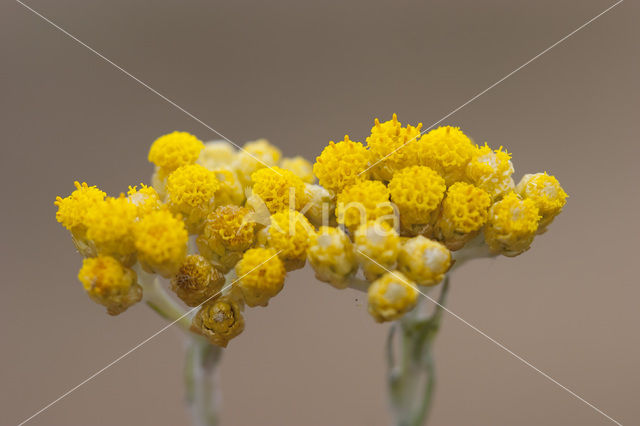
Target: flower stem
[
  {"x": 202, "y": 380},
  {"x": 411, "y": 365}
]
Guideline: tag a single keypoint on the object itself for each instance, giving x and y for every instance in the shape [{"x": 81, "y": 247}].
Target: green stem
[
  {"x": 411, "y": 365},
  {"x": 158, "y": 299},
  {"x": 202, "y": 381}
]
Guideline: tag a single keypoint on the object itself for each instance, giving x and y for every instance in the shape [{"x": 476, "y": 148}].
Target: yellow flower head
[
  {"x": 109, "y": 227},
  {"x": 261, "y": 276},
  {"x": 417, "y": 191},
  {"x": 364, "y": 201},
  {"x": 491, "y": 171},
  {"x": 340, "y": 164},
  {"x": 254, "y": 156},
  {"x": 219, "y": 320},
  {"x": 109, "y": 283},
  {"x": 546, "y": 192},
  {"x": 146, "y": 199},
  {"x": 174, "y": 150},
  {"x": 300, "y": 167},
  {"x": 512, "y": 225},
  {"x": 197, "y": 280},
  {"x": 289, "y": 234},
  {"x": 217, "y": 154},
  {"x": 191, "y": 191},
  {"x": 229, "y": 227},
  {"x": 424, "y": 261},
  {"x": 391, "y": 296},
  {"x": 73, "y": 209},
  {"x": 320, "y": 205},
  {"x": 161, "y": 242},
  {"x": 448, "y": 151},
  {"x": 376, "y": 248},
  {"x": 279, "y": 189},
  {"x": 464, "y": 212},
  {"x": 230, "y": 191},
  {"x": 330, "y": 253},
  {"x": 392, "y": 147}
]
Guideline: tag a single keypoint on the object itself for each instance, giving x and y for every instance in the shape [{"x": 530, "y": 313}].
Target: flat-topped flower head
[
  {"x": 392, "y": 147},
  {"x": 255, "y": 155},
  {"x": 72, "y": 210},
  {"x": 289, "y": 235},
  {"x": 491, "y": 170},
  {"x": 146, "y": 198},
  {"x": 300, "y": 167},
  {"x": 219, "y": 320},
  {"x": 464, "y": 212},
  {"x": 376, "y": 248},
  {"x": 341, "y": 164},
  {"x": 424, "y": 261},
  {"x": 279, "y": 189},
  {"x": 448, "y": 151},
  {"x": 545, "y": 191},
  {"x": 109, "y": 283},
  {"x": 197, "y": 280},
  {"x": 190, "y": 192},
  {"x": 417, "y": 191},
  {"x": 512, "y": 224},
  {"x": 110, "y": 227},
  {"x": 261, "y": 276},
  {"x": 391, "y": 296},
  {"x": 330, "y": 253},
  {"x": 161, "y": 242},
  {"x": 174, "y": 150},
  {"x": 364, "y": 201}
]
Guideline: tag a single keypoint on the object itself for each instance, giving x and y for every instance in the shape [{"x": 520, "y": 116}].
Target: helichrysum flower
[
  {"x": 424, "y": 261},
  {"x": 161, "y": 242},
  {"x": 109, "y": 283},
  {"x": 376, "y": 248},
  {"x": 364, "y": 201},
  {"x": 219, "y": 320},
  {"x": 545, "y": 191},
  {"x": 72, "y": 210},
  {"x": 217, "y": 154},
  {"x": 230, "y": 190},
  {"x": 190, "y": 192},
  {"x": 491, "y": 170},
  {"x": 330, "y": 253},
  {"x": 300, "y": 167},
  {"x": 341, "y": 164},
  {"x": 279, "y": 189},
  {"x": 390, "y": 147},
  {"x": 110, "y": 227},
  {"x": 511, "y": 225},
  {"x": 417, "y": 191},
  {"x": 197, "y": 280},
  {"x": 464, "y": 212},
  {"x": 261, "y": 276},
  {"x": 447, "y": 150},
  {"x": 174, "y": 150},
  {"x": 289, "y": 235},
  {"x": 228, "y": 231},
  {"x": 254, "y": 156},
  {"x": 320, "y": 205},
  {"x": 391, "y": 296},
  {"x": 146, "y": 199}
]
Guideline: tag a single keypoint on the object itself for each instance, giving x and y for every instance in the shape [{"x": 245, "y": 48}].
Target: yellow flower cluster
[{"x": 383, "y": 217}]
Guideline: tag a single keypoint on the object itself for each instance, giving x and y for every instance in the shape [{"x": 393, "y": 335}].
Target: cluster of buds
[{"x": 224, "y": 226}]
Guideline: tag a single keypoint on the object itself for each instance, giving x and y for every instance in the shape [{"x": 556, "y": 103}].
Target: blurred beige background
[{"x": 301, "y": 73}]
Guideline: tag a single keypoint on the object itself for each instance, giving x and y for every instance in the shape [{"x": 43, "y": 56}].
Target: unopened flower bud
[
  {"x": 424, "y": 261},
  {"x": 330, "y": 253},
  {"x": 391, "y": 296}
]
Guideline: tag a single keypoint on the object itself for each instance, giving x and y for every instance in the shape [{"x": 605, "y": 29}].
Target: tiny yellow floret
[
  {"x": 190, "y": 192},
  {"x": 391, "y": 296},
  {"x": 392, "y": 147},
  {"x": 362, "y": 202},
  {"x": 546, "y": 192},
  {"x": 330, "y": 253},
  {"x": 424, "y": 261},
  {"x": 447, "y": 150},
  {"x": 261, "y": 276},
  {"x": 341, "y": 164},
  {"x": 279, "y": 189},
  {"x": 464, "y": 212},
  {"x": 417, "y": 191},
  {"x": 109, "y": 283},
  {"x": 219, "y": 320},
  {"x": 512, "y": 225},
  {"x": 161, "y": 242},
  {"x": 174, "y": 150}
]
